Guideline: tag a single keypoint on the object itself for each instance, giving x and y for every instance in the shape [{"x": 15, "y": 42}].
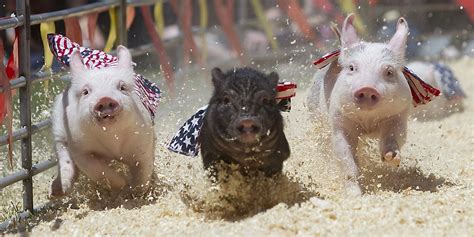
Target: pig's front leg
[
  {"x": 67, "y": 171},
  {"x": 141, "y": 168},
  {"x": 392, "y": 137},
  {"x": 97, "y": 168},
  {"x": 345, "y": 145}
]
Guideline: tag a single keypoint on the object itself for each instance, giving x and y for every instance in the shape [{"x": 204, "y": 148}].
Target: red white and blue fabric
[
  {"x": 448, "y": 82},
  {"x": 185, "y": 141},
  {"x": 421, "y": 91},
  {"x": 62, "y": 48}
]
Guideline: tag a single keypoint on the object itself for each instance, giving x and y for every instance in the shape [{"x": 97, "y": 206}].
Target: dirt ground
[{"x": 431, "y": 194}]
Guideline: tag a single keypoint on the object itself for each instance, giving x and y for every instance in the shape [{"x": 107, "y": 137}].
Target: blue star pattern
[
  {"x": 448, "y": 82},
  {"x": 185, "y": 141}
]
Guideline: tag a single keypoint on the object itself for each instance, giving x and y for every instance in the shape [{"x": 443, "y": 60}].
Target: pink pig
[
  {"x": 99, "y": 119},
  {"x": 364, "y": 93}
]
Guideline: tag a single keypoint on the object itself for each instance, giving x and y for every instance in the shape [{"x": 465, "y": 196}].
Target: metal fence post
[
  {"x": 122, "y": 21},
  {"x": 23, "y": 9}
]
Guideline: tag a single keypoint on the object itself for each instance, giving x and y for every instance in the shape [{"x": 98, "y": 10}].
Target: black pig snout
[{"x": 248, "y": 125}]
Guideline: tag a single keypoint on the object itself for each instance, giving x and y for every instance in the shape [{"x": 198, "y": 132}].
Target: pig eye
[
  {"x": 266, "y": 100},
  {"x": 351, "y": 67},
  {"x": 85, "y": 91},
  {"x": 389, "y": 71},
  {"x": 123, "y": 87},
  {"x": 226, "y": 100}
]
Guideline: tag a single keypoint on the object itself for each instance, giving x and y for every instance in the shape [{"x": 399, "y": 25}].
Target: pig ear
[
  {"x": 217, "y": 77},
  {"x": 273, "y": 78},
  {"x": 76, "y": 62},
  {"x": 124, "y": 57},
  {"x": 349, "y": 35},
  {"x": 399, "y": 40}
]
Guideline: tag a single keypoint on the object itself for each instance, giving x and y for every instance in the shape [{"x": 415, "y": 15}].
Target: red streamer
[
  {"x": 295, "y": 13},
  {"x": 6, "y": 109},
  {"x": 73, "y": 29},
  {"x": 91, "y": 26},
  {"x": 159, "y": 47},
  {"x": 225, "y": 15}
]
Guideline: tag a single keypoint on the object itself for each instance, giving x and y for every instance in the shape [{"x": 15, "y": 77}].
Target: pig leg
[
  {"x": 67, "y": 172},
  {"x": 141, "y": 169},
  {"x": 98, "y": 169},
  {"x": 274, "y": 163},
  {"x": 345, "y": 145},
  {"x": 393, "y": 135}
]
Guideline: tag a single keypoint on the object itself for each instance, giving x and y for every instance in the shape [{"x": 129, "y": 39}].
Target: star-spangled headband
[
  {"x": 62, "y": 48},
  {"x": 421, "y": 91},
  {"x": 185, "y": 141}
]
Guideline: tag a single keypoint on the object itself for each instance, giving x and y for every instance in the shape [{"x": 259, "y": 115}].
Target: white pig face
[
  {"x": 371, "y": 79},
  {"x": 103, "y": 96}
]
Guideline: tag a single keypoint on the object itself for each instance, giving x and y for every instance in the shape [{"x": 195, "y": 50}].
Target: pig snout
[
  {"x": 366, "y": 97},
  {"x": 248, "y": 130},
  {"x": 107, "y": 107}
]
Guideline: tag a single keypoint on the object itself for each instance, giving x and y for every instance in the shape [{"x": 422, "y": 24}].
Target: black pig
[{"x": 243, "y": 124}]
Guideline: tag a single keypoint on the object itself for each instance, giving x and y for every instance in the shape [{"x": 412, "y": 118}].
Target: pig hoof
[
  {"x": 59, "y": 188},
  {"x": 392, "y": 158},
  {"x": 55, "y": 191},
  {"x": 353, "y": 189}
]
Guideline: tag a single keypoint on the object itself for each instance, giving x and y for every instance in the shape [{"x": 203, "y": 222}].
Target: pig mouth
[
  {"x": 249, "y": 138},
  {"x": 105, "y": 117}
]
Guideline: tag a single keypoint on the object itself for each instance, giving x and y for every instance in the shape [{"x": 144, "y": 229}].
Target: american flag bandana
[
  {"x": 185, "y": 141},
  {"x": 62, "y": 48},
  {"x": 448, "y": 82},
  {"x": 421, "y": 91}
]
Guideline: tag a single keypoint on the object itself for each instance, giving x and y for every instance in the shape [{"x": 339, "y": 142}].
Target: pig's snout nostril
[
  {"x": 248, "y": 126},
  {"x": 107, "y": 106},
  {"x": 367, "y": 96},
  {"x": 113, "y": 105}
]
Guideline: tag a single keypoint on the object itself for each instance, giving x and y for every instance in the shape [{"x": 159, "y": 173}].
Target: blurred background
[{"x": 438, "y": 28}]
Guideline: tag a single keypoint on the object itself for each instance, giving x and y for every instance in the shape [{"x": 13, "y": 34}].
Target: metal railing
[{"x": 23, "y": 21}]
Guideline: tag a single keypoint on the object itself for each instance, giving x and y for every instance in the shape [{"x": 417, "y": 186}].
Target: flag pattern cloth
[
  {"x": 62, "y": 48},
  {"x": 449, "y": 84},
  {"x": 186, "y": 142},
  {"x": 421, "y": 91}
]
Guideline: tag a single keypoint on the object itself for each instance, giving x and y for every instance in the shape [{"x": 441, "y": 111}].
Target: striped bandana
[
  {"x": 62, "y": 48},
  {"x": 421, "y": 91}
]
